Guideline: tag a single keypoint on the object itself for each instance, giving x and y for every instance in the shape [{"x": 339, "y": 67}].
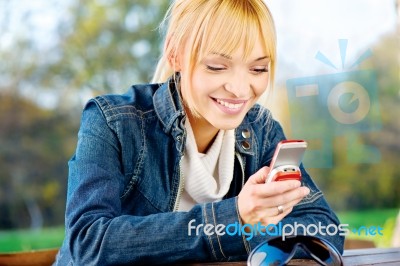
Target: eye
[
  {"x": 259, "y": 70},
  {"x": 215, "y": 68}
]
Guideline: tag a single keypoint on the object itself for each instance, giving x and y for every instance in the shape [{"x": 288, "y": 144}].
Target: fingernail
[{"x": 306, "y": 191}]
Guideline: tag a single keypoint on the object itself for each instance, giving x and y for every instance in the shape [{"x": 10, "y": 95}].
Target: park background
[{"x": 55, "y": 55}]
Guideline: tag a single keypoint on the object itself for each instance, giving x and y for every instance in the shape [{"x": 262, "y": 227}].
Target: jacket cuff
[{"x": 223, "y": 231}]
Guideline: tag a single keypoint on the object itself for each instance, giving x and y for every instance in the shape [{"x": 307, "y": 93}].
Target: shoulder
[
  {"x": 261, "y": 119},
  {"x": 136, "y": 101},
  {"x": 267, "y": 130}
]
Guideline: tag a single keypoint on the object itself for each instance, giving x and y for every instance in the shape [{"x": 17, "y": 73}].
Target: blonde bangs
[
  {"x": 231, "y": 24},
  {"x": 224, "y": 32}
]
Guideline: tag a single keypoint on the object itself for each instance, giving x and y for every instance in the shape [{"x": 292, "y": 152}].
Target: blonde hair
[{"x": 201, "y": 27}]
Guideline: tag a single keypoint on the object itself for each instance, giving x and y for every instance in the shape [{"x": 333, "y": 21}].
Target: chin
[{"x": 227, "y": 126}]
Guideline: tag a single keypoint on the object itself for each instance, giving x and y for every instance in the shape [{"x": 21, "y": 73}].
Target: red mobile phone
[{"x": 286, "y": 160}]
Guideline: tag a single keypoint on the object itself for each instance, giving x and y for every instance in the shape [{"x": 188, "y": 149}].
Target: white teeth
[{"x": 229, "y": 105}]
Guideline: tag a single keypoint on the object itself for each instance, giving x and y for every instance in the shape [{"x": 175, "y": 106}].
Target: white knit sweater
[{"x": 207, "y": 177}]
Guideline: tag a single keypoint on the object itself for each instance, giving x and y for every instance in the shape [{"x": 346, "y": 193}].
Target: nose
[{"x": 239, "y": 85}]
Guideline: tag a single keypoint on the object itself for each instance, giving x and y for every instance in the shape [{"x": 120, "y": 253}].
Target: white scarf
[{"x": 207, "y": 177}]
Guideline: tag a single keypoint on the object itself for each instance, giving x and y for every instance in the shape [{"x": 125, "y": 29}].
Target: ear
[{"x": 173, "y": 57}]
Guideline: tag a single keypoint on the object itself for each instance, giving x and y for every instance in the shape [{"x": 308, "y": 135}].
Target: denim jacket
[{"x": 125, "y": 182}]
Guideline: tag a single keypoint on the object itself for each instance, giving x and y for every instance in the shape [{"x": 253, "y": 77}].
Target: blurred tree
[
  {"x": 35, "y": 146},
  {"x": 107, "y": 46},
  {"x": 100, "y": 46}
]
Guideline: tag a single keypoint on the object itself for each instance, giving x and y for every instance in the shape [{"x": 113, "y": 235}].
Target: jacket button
[
  {"x": 246, "y": 133},
  {"x": 245, "y": 145}
]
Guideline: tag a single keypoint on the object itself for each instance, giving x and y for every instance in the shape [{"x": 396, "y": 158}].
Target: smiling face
[
  {"x": 224, "y": 87},
  {"x": 226, "y": 59}
]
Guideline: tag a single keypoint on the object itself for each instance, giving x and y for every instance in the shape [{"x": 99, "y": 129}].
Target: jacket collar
[
  {"x": 168, "y": 103},
  {"x": 169, "y": 109}
]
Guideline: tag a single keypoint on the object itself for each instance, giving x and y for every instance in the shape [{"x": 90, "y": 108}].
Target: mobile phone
[{"x": 286, "y": 160}]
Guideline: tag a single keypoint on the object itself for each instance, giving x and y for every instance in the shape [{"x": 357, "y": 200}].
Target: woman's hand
[{"x": 258, "y": 201}]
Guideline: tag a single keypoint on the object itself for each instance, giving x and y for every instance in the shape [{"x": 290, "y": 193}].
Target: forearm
[
  {"x": 320, "y": 220},
  {"x": 97, "y": 238}
]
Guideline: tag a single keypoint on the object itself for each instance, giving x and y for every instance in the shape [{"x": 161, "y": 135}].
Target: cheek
[
  {"x": 194, "y": 96},
  {"x": 195, "y": 89},
  {"x": 261, "y": 87},
  {"x": 200, "y": 89},
  {"x": 188, "y": 89}
]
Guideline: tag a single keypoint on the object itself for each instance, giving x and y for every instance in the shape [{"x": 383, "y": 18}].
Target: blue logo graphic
[
  {"x": 340, "y": 104},
  {"x": 368, "y": 231}
]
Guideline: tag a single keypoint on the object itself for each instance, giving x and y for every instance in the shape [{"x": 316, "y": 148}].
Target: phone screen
[
  {"x": 286, "y": 160},
  {"x": 289, "y": 152}
]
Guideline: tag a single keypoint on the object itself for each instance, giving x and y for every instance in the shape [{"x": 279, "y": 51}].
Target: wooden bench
[{"x": 44, "y": 257}]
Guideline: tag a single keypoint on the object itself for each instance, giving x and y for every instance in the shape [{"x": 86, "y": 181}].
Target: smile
[{"x": 230, "y": 105}]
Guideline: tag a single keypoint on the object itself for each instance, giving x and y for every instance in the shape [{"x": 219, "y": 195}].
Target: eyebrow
[
  {"x": 230, "y": 57},
  {"x": 223, "y": 55},
  {"x": 262, "y": 58}
]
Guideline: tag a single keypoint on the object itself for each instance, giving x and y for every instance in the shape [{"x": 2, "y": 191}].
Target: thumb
[{"x": 260, "y": 176}]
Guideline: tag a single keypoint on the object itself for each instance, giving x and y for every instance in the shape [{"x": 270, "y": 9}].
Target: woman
[{"x": 156, "y": 165}]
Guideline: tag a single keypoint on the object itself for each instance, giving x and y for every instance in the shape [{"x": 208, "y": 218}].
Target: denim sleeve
[
  {"x": 312, "y": 211},
  {"x": 99, "y": 233}
]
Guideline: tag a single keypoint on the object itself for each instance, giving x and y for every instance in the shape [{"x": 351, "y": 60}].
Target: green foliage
[
  {"x": 369, "y": 217},
  {"x": 385, "y": 218},
  {"x": 24, "y": 240}
]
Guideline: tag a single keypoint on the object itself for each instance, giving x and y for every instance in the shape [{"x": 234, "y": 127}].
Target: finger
[
  {"x": 260, "y": 176},
  {"x": 280, "y": 215},
  {"x": 268, "y": 190},
  {"x": 274, "y": 215},
  {"x": 284, "y": 208},
  {"x": 279, "y": 210},
  {"x": 290, "y": 196},
  {"x": 285, "y": 198},
  {"x": 276, "y": 188},
  {"x": 274, "y": 212}
]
